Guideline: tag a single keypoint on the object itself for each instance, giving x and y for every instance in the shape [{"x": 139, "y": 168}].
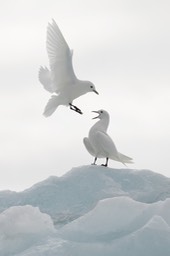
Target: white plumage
[
  {"x": 61, "y": 79},
  {"x": 99, "y": 144}
]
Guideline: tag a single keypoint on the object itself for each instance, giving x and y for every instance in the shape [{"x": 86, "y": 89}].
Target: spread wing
[
  {"x": 60, "y": 57},
  {"x": 45, "y": 79}
]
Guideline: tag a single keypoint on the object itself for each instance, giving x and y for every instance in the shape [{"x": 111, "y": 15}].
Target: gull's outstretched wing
[
  {"x": 88, "y": 146},
  {"x": 45, "y": 79},
  {"x": 60, "y": 57}
]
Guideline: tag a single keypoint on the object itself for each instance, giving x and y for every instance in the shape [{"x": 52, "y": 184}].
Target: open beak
[
  {"x": 96, "y": 116},
  {"x": 95, "y": 92}
]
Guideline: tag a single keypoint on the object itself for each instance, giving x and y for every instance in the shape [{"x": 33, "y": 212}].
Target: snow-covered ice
[
  {"x": 116, "y": 226},
  {"x": 79, "y": 190},
  {"x": 22, "y": 227},
  {"x": 114, "y": 212}
]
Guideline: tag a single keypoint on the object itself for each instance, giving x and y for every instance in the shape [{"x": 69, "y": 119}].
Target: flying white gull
[
  {"x": 99, "y": 144},
  {"x": 61, "y": 79}
]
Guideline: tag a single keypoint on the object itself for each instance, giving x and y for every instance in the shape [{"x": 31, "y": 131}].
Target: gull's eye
[
  {"x": 101, "y": 111},
  {"x": 91, "y": 86}
]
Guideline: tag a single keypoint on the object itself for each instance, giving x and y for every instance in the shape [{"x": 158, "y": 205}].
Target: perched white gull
[
  {"x": 61, "y": 79},
  {"x": 99, "y": 144}
]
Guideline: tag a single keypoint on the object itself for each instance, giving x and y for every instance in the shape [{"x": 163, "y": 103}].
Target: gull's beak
[
  {"x": 95, "y": 92},
  {"x": 96, "y": 116}
]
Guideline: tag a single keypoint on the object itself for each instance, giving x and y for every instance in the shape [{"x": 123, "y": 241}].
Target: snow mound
[
  {"x": 68, "y": 197},
  {"x": 101, "y": 211},
  {"x": 22, "y": 226},
  {"x": 121, "y": 216},
  {"x": 117, "y": 226}
]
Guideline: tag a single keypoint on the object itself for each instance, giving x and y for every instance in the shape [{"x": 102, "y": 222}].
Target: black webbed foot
[
  {"x": 79, "y": 111},
  {"x": 105, "y": 165},
  {"x": 76, "y": 109},
  {"x": 94, "y": 163}
]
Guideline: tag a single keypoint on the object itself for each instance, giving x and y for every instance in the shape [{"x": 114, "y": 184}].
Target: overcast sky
[{"x": 123, "y": 47}]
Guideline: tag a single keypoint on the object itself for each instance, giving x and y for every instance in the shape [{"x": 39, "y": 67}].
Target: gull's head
[
  {"x": 90, "y": 87},
  {"x": 102, "y": 114}
]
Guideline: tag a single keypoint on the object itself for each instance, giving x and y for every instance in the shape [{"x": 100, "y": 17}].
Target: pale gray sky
[{"x": 122, "y": 47}]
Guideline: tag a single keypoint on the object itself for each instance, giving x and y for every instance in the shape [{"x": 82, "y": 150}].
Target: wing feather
[
  {"x": 45, "y": 79},
  {"x": 88, "y": 146},
  {"x": 60, "y": 57},
  {"x": 106, "y": 144}
]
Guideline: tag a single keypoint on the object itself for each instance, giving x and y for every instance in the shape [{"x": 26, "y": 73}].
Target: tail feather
[
  {"x": 51, "y": 106},
  {"x": 125, "y": 159}
]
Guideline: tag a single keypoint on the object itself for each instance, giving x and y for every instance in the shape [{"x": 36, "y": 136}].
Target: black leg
[
  {"x": 107, "y": 159},
  {"x": 73, "y": 107},
  {"x": 94, "y": 163}
]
